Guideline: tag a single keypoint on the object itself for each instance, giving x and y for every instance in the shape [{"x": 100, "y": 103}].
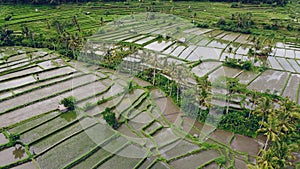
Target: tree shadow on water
[{"x": 19, "y": 152}]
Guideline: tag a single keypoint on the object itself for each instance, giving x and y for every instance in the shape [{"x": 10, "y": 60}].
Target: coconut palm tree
[
  {"x": 155, "y": 62},
  {"x": 264, "y": 108},
  {"x": 270, "y": 129}
]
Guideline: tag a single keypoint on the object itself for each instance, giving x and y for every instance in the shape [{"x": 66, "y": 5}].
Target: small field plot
[
  {"x": 223, "y": 71},
  {"x": 285, "y": 64},
  {"x": 135, "y": 38},
  {"x": 128, "y": 100},
  {"x": 297, "y": 54},
  {"x": 17, "y": 82},
  {"x": 3, "y": 139},
  {"x": 104, "y": 152},
  {"x": 217, "y": 44},
  {"x": 44, "y": 92},
  {"x": 243, "y": 38},
  {"x": 12, "y": 154},
  {"x": 221, "y": 136},
  {"x": 32, "y": 123},
  {"x": 242, "y": 50},
  {"x": 208, "y": 53},
  {"x": 292, "y": 87},
  {"x": 144, "y": 40},
  {"x": 27, "y": 71},
  {"x": 246, "y": 77},
  {"x": 294, "y": 64},
  {"x": 158, "y": 46},
  {"x": 274, "y": 63},
  {"x": 270, "y": 79},
  {"x": 56, "y": 72},
  {"x": 231, "y": 37},
  {"x": 290, "y": 54},
  {"x": 126, "y": 158},
  {"x": 195, "y": 160},
  {"x": 170, "y": 49},
  {"x": 244, "y": 144},
  {"x": 74, "y": 147},
  {"x": 55, "y": 138},
  {"x": 205, "y": 68},
  {"x": 46, "y": 128},
  {"x": 280, "y": 52},
  {"x": 177, "y": 51},
  {"x": 165, "y": 136},
  {"x": 177, "y": 148},
  {"x": 187, "y": 51},
  {"x": 160, "y": 165},
  {"x": 140, "y": 120},
  {"x": 28, "y": 165}
]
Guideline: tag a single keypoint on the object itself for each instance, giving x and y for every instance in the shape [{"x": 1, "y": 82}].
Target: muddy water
[
  {"x": 171, "y": 111},
  {"x": 221, "y": 136},
  {"x": 12, "y": 154},
  {"x": 244, "y": 144}
]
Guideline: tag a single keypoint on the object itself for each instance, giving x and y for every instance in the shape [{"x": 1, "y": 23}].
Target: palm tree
[
  {"x": 253, "y": 100},
  {"x": 270, "y": 129},
  {"x": 264, "y": 108},
  {"x": 155, "y": 61}
]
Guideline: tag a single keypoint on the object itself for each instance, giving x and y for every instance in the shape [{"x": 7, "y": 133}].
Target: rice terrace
[{"x": 150, "y": 84}]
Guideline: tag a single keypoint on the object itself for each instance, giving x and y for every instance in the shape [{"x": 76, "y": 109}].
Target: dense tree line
[
  {"x": 277, "y": 2},
  {"x": 53, "y": 2}
]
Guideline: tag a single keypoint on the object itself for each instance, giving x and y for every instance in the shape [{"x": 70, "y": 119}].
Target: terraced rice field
[
  {"x": 155, "y": 133},
  {"x": 47, "y": 135}
]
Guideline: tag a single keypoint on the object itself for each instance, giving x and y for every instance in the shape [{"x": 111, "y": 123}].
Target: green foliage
[
  {"x": 129, "y": 88},
  {"x": 13, "y": 138},
  {"x": 234, "y": 5},
  {"x": 110, "y": 117},
  {"x": 69, "y": 102},
  {"x": 202, "y": 25},
  {"x": 88, "y": 106},
  {"x": 239, "y": 122},
  {"x": 221, "y": 160},
  {"x": 282, "y": 130},
  {"x": 238, "y": 63}
]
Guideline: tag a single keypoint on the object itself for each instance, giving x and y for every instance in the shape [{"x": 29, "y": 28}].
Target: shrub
[
  {"x": 247, "y": 65},
  {"x": 234, "y": 5},
  {"x": 110, "y": 118},
  {"x": 69, "y": 102},
  {"x": 202, "y": 25},
  {"x": 221, "y": 21}
]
